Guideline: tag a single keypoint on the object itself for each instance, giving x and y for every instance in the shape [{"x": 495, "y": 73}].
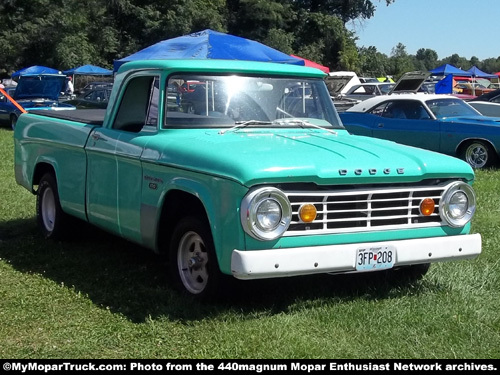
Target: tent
[
  {"x": 477, "y": 73},
  {"x": 35, "y": 69},
  {"x": 446, "y": 69},
  {"x": 209, "y": 44},
  {"x": 312, "y": 64},
  {"x": 90, "y": 70}
]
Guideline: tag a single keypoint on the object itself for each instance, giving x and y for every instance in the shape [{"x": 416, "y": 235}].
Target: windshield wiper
[
  {"x": 303, "y": 124},
  {"x": 242, "y": 124}
]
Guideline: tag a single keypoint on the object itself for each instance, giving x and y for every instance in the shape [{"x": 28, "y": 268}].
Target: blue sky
[{"x": 466, "y": 27}]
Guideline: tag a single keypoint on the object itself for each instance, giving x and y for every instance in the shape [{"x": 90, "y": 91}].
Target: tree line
[{"x": 64, "y": 34}]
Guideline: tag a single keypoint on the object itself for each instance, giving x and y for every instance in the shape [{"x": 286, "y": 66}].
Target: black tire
[
  {"x": 51, "y": 219},
  {"x": 13, "y": 121},
  {"x": 479, "y": 154},
  {"x": 193, "y": 265}
]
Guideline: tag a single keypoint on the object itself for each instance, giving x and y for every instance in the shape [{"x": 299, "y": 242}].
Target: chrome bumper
[{"x": 261, "y": 264}]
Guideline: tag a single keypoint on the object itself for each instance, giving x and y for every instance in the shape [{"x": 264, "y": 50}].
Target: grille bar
[{"x": 356, "y": 210}]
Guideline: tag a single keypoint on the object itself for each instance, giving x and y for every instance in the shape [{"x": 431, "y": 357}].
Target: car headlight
[
  {"x": 458, "y": 204},
  {"x": 265, "y": 213}
]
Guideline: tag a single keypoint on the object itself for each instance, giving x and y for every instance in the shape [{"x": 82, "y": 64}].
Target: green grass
[{"x": 97, "y": 296}]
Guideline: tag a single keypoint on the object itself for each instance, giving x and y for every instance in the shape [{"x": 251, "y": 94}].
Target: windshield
[
  {"x": 226, "y": 101},
  {"x": 450, "y": 108}
]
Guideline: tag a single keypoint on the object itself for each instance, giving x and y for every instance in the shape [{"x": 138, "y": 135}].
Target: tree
[{"x": 400, "y": 60}]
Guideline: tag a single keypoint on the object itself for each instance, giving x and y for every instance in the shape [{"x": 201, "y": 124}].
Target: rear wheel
[
  {"x": 479, "y": 154},
  {"x": 50, "y": 217},
  {"x": 193, "y": 265}
]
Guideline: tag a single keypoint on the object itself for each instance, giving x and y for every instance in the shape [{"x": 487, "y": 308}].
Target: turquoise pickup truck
[{"x": 249, "y": 173}]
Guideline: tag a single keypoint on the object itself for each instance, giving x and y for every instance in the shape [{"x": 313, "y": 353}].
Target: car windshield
[
  {"x": 450, "y": 108},
  {"x": 228, "y": 101}
]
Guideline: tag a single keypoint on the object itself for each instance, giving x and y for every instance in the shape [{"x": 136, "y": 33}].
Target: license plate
[{"x": 375, "y": 258}]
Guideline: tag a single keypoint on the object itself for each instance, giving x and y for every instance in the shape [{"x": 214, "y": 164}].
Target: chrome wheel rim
[
  {"x": 476, "y": 155},
  {"x": 48, "y": 209},
  {"x": 192, "y": 259}
]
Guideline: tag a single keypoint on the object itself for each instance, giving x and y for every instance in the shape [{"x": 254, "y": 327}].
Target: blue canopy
[
  {"x": 446, "y": 69},
  {"x": 209, "y": 44},
  {"x": 477, "y": 73},
  {"x": 89, "y": 70},
  {"x": 445, "y": 86},
  {"x": 35, "y": 69}
]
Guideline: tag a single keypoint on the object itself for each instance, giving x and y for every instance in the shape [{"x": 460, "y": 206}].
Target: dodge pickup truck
[{"x": 250, "y": 174}]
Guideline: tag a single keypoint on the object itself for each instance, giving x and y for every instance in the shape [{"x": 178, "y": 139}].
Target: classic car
[
  {"x": 261, "y": 181},
  {"x": 95, "y": 98},
  {"x": 39, "y": 92},
  {"x": 439, "y": 123}
]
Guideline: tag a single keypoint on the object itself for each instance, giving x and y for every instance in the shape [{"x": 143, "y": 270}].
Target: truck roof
[{"x": 223, "y": 66}]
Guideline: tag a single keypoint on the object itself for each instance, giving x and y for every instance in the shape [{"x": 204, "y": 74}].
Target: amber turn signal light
[
  {"x": 427, "y": 206},
  {"x": 307, "y": 213}
]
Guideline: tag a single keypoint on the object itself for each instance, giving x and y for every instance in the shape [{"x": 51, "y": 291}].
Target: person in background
[{"x": 69, "y": 87}]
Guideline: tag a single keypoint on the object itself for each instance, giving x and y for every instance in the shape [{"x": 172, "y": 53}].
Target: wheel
[
  {"x": 13, "y": 121},
  {"x": 51, "y": 219},
  {"x": 193, "y": 265},
  {"x": 479, "y": 154}
]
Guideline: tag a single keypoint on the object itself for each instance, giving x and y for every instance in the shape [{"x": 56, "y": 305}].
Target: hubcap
[
  {"x": 476, "y": 155},
  {"x": 192, "y": 258},
  {"x": 48, "y": 209}
]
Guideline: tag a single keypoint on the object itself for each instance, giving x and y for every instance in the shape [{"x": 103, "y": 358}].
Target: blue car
[
  {"x": 439, "y": 123},
  {"x": 39, "y": 92}
]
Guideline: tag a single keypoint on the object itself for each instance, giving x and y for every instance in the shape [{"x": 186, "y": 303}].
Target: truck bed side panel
[{"x": 59, "y": 143}]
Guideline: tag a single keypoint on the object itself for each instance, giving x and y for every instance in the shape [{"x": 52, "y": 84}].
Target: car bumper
[{"x": 260, "y": 264}]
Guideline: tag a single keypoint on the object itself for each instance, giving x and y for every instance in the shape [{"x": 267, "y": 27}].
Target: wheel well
[
  {"x": 461, "y": 147},
  {"x": 40, "y": 170},
  {"x": 177, "y": 204}
]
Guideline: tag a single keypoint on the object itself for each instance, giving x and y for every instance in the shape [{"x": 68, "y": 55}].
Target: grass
[{"x": 97, "y": 296}]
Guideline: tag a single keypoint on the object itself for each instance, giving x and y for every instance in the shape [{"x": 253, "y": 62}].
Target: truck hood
[{"x": 259, "y": 156}]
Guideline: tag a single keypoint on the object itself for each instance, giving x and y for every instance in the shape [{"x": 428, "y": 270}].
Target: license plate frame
[{"x": 375, "y": 257}]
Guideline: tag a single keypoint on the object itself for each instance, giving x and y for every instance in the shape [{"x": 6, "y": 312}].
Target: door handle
[
  {"x": 380, "y": 125},
  {"x": 96, "y": 137}
]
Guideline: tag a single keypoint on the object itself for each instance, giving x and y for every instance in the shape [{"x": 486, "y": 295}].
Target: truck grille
[{"x": 358, "y": 210}]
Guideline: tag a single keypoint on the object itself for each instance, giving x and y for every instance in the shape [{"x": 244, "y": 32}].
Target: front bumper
[{"x": 261, "y": 264}]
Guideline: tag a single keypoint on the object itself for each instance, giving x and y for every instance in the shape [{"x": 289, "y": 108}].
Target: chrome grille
[{"x": 358, "y": 210}]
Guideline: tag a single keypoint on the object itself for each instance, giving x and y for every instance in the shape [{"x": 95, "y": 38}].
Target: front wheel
[
  {"x": 479, "y": 155},
  {"x": 50, "y": 217},
  {"x": 193, "y": 265}
]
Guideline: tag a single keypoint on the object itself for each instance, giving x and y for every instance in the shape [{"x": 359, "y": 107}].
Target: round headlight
[
  {"x": 265, "y": 213},
  {"x": 458, "y": 204}
]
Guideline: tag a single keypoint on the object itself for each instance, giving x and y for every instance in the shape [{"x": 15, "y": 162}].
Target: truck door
[{"x": 114, "y": 179}]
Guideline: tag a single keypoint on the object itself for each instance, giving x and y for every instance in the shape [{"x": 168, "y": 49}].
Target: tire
[
  {"x": 51, "y": 218},
  {"x": 13, "y": 121},
  {"x": 192, "y": 261},
  {"x": 479, "y": 154}
]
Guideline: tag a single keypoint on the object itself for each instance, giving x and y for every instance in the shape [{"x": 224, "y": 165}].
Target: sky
[{"x": 466, "y": 27}]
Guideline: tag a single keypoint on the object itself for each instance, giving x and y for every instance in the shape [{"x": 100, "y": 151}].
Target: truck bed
[{"x": 86, "y": 116}]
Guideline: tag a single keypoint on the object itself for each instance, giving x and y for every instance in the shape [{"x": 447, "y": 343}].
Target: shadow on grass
[{"x": 127, "y": 279}]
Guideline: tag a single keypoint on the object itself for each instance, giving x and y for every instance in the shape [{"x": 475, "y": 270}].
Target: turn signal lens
[
  {"x": 307, "y": 213},
  {"x": 427, "y": 206}
]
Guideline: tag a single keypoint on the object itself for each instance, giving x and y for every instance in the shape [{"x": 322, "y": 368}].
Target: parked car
[
  {"x": 93, "y": 86},
  {"x": 439, "y": 123},
  {"x": 39, "y": 92},
  {"x": 95, "y": 98},
  {"x": 364, "y": 91},
  {"x": 488, "y": 104}
]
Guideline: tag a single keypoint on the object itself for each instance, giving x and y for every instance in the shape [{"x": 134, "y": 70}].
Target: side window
[
  {"x": 139, "y": 105},
  {"x": 380, "y": 110},
  {"x": 496, "y": 99}
]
